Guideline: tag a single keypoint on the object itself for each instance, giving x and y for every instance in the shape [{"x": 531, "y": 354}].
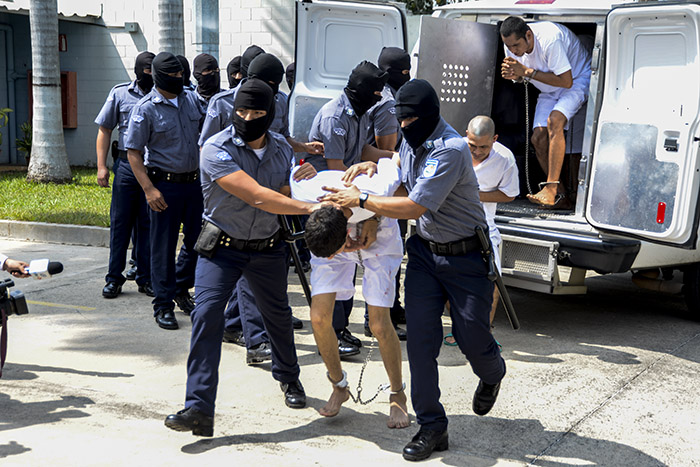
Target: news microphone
[{"x": 43, "y": 268}]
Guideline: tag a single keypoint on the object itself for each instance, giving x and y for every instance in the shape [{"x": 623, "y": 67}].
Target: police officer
[
  {"x": 186, "y": 73},
  {"x": 166, "y": 122},
  {"x": 244, "y": 169},
  {"x": 128, "y": 211},
  {"x": 444, "y": 261},
  {"x": 342, "y": 125},
  {"x": 233, "y": 72},
  {"x": 206, "y": 72}
]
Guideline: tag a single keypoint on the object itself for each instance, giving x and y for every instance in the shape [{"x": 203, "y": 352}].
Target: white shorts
[
  {"x": 568, "y": 102},
  {"x": 379, "y": 279}
]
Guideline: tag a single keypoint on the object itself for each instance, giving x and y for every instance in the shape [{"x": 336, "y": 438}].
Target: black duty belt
[
  {"x": 158, "y": 175},
  {"x": 250, "y": 245},
  {"x": 123, "y": 155},
  {"x": 456, "y": 248}
]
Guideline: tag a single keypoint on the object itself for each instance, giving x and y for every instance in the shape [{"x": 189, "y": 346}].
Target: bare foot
[
  {"x": 336, "y": 400},
  {"x": 546, "y": 197},
  {"x": 398, "y": 413}
]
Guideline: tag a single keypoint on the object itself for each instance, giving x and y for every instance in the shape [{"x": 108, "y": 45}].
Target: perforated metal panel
[{"x": 528, "y": 259}]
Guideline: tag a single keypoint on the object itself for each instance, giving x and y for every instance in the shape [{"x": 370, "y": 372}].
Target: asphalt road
[{"x": 610, "y": 378}]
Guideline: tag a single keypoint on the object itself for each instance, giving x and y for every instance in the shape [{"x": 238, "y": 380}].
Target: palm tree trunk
[
  {"x": 171, "y": 29},
  {"x": 49, "y": 160}
]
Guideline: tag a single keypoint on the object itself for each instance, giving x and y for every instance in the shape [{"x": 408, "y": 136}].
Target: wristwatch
[{"x": 363, "y": 198}]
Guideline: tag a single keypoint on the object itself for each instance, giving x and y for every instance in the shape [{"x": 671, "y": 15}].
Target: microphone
[{"x": 43, "y": 268}]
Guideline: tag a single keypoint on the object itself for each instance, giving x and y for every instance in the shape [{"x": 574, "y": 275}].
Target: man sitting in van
[{"x": 553, "y": 59}]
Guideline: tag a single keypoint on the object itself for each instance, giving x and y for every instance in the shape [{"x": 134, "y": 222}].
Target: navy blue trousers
[
  {"x": 430, "y": 281},
  {"x": 242, "y": 314},
  {"x": 184, "y": 208},
  {"x": 266, "y": 273},
  {"x": 128, "y": 213}
]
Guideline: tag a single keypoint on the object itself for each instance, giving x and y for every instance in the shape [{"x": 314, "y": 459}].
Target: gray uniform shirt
[
  {"x": 382, "y": 117},
  {"x": 439, "y": 176},
  {"x": 226, "y": 153},
  {"x": 220, "y": 114},
  {"x": 116, "y": 109},
  {"x": 168, "y": 132},
  {"x": 341, "y": 131}
]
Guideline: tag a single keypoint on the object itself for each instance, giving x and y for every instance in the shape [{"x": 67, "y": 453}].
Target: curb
[{"x": 68, "y": 234}]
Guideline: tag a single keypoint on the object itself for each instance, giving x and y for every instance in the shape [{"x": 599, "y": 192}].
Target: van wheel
[{"x": 691, "y": 289}]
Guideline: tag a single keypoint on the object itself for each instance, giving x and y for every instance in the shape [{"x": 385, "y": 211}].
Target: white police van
[{"x": 638, "y": 181}]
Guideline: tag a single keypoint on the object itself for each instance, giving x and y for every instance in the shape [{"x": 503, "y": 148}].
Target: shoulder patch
[
  {"x": 238, "y": 141},
  {"x": 137, "y": 118},
  {"x": 339, "y": 131},
  {"x": 430, "y": 168},
  {"x": 213, "y": 113},
  {"x": 224, "y": 156},
  {"x": 350, "y": 112},
  {"x": 392, "y": 110}
]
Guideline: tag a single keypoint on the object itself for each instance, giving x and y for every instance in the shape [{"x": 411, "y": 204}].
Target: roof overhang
[{"x": 69, "y": 10}]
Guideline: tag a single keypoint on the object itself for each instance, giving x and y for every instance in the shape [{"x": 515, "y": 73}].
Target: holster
[
  {"x": 115, "y": 151},
  {"x": 208, "y": 239}
]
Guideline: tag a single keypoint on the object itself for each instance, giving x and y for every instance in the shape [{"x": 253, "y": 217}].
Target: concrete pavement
[{"x": 610, "y": 378}]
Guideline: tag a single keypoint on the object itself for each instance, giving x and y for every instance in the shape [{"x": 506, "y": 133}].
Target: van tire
[{"x": 691, "y": 290}]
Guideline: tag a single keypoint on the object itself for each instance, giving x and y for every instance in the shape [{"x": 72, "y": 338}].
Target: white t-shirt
[
  {"x": 497, "y": 172},
  {"x": 384, "y": 183},
  {"x": 174, "y": 101},
  {"x": 260, "y": 152},
  {"x": 556, "y": 50}
]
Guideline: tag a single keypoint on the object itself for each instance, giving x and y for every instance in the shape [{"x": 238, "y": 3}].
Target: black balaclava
[
  {"x": 232, "y": 69},
  {"x": 417, "y": 98},
  {"x": 248, "y": 56},
  {"x": 254, "y": 94},
  {"x": 268, "y": 68},
  {"x": 364, "y": 80},
  {"x": 165, "y": 63},
  {"x": 185, "y": 69},
  {"x": 290, "y": 75},
  {"x": 394, "y": 60},
  {"x": 143, "y": 62},
  {"x": 207, "y": 85}
]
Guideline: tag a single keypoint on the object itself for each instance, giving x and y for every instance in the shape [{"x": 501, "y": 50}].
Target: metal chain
[{"x": 527, "y": 136}]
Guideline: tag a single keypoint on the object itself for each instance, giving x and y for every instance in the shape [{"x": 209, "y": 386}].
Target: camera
[{"x": 12, "y": 303}]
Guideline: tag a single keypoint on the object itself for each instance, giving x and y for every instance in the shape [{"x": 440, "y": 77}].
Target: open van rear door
[
  {"x": 332, "y": 37},
  {"x": 644, "y": 174}
]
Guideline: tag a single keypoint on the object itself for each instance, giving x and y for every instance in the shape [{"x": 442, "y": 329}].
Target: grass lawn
[{"x": 81, "y": 202}]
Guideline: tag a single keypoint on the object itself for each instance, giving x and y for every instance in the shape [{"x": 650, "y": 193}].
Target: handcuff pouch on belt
[{"x": 208, "y": 239}]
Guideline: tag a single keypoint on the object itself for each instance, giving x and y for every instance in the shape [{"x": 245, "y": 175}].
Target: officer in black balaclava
[
  {"x": 206, "y": 72},
  {"x": 186, "y": 74},
  {"x": 232, "y": 175},
  {"x": 290, "y": 75},
  {"x": 397, "y": 63},
  {"x": 128, "y": 211},
  {"x": 233, "y": 71},
  {"x": 268, "y": 68},
  {"x": 248, "y": 56},
  {"x": 417, "y": 100},
  {"x": 364, "y": 85},
  {"x": 165, "y": 126}
]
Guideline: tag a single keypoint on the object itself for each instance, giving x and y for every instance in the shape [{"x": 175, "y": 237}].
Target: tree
[
  {"x": 171, "y": 29},
  {"x": 49, "y": 160}
]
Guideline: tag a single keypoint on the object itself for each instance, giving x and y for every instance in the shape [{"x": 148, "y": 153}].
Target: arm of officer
[
  {"x": 312, "y": 147},
  {"x": 394, "y": 207},
  {"x": 243, "y": 186},
  {"x": 153, "y": 195},
  {"x": 104, "y": 136},
  {"x": 370, "y": 153}
]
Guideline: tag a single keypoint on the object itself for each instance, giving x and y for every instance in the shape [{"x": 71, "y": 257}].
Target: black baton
[
  {"x": 495, "y": 276},
  {"x": 290, "y": 236}
]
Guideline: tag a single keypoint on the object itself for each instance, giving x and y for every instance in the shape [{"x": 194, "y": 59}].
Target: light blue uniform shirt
[
  {"x": 116, "y": 109},
  {"x": 382, "y": 117},
  {"x": 439, "y": 176},
  {"x": 341, "y": 131},
  {"x": 226, "y": 153},
  {"x": 169, "y": 133}
]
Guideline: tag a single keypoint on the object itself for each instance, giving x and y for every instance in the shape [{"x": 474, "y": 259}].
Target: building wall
[{"x": 102, "y": 52}]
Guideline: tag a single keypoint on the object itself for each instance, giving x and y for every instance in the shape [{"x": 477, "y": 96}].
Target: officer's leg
[
  {"x": 165, "y": 228},
  {"x": 215, "y": 279},
  {"x": 191, "y": 226},
  {"x": 251, "y": 319},
  {"x": 425, "y": 299},
  {"x": 267, "y": 277},
  {"x": 121, "y": 221},
  {"x": 232, "y": 315},
  {"x": 470, "y": 294},
  {"x": 141, "y": 225}
]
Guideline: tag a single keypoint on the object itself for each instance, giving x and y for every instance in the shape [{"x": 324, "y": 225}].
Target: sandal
[{"x": 446, "y": 342}]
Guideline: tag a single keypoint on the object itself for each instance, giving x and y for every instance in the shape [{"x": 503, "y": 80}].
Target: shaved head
[{"x": 481, "y": 126}]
